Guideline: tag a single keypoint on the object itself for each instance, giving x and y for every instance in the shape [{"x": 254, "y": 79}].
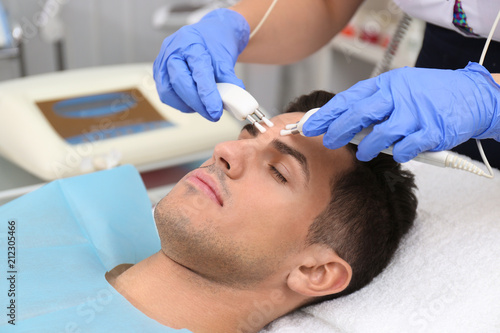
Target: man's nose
[{"x": 233, "y": 157}]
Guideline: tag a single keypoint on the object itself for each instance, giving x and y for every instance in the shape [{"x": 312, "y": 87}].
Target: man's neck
[{"x": 179, "y": 298}]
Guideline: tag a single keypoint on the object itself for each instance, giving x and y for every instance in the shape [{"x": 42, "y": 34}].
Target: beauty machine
[{"x": 68, "y": 123}]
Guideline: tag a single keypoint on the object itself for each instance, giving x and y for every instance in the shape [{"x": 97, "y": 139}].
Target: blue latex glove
[
  {"x": 416, "y": 109},
  {"x": 197, "y": 56}
]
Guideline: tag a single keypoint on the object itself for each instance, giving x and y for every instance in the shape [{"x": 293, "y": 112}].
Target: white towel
[{"x": 445, "y": 277}]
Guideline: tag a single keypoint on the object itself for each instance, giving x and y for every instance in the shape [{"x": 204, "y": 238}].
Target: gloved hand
[
  {"x": 416, "y": 109},
  {"x": 197, "y": 56}
]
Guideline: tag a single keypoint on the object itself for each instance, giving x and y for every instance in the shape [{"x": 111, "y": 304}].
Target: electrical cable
[
  {"x": 481, "y": 60},
  {"x": 385, "y": 63},
  {"x": 264, "y": 18}
]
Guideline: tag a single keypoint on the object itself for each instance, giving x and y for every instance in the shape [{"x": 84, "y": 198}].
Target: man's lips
[{"x": 206, "y": 184}]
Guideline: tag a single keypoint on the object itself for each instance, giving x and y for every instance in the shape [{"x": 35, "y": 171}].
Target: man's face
[{"x": 243, "y": 215}]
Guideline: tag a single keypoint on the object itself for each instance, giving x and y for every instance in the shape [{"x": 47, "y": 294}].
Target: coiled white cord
[
  {"x": 264, "y": 18},
  {"x": 385, "y": 63},
  {"x": 455, "y": 161}
]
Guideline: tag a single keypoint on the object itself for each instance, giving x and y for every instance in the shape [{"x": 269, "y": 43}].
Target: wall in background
[{"x": 98, "y": 32}]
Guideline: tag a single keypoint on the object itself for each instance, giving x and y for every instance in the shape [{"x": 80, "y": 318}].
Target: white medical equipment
[
  {"x": 68, "y": 123},
  {"x": 180, "y": 12}
]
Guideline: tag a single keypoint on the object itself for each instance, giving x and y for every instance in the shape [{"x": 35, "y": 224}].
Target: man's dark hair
[{"x": 372, "y": 206}]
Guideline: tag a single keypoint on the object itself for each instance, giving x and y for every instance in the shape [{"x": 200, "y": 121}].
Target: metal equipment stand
[{"x": 16, "y": 50}]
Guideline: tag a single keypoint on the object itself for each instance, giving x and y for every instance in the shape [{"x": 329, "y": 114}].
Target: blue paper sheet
[{"x": 63, "y": 239}]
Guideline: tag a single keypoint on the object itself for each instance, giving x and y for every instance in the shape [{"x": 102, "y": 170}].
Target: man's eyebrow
[
  {"x": 250, "y": 129},
  {"x": 285, "y": 149}
]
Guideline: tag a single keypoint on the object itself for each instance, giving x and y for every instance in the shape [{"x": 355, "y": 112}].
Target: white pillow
[{"x": 443, "y": 278}]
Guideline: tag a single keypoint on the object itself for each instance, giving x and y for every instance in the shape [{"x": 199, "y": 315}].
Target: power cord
[
  {"x": 264, "y": 18},
  {"x": 481, "y": 60}
]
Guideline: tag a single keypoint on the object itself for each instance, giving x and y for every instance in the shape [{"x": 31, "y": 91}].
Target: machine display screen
[{"x": 98, "y": 117}]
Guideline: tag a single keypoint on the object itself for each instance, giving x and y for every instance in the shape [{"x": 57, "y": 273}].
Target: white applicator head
[{"x": 242, "y": 105}]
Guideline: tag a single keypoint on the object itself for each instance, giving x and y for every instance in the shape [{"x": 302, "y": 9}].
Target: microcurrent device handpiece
[{"x": 242, "y": 105}]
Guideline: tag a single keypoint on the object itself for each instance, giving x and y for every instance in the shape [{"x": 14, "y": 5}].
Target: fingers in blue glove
[
  {"x": 224, "y": 72},
  {"x": 167, "y": 94},
  {"x": 378, "y": 140},
  {"x": 415, "y": 143},
  {"x": 202, "y": 71},
  {"x": 361, "y": 114},
  {"x": 319, "y": 122},
  {"x": 184, "y": 87}
]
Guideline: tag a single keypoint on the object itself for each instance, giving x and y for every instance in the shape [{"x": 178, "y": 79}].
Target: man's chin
[{"x": 203, "y": 250}]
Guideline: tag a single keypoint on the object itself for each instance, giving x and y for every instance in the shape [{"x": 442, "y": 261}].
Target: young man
[{"x": 267, "y": 225}]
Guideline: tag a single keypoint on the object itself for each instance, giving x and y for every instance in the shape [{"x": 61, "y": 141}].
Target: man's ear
[{"x": 320, "y": 272}]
